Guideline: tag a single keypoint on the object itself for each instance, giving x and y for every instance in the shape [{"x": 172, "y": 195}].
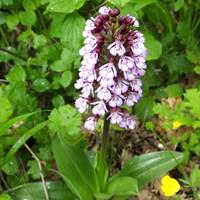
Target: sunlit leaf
[
  {"x": 33, "y": 191},
  {"x": 75, "y": 168},
  {"x": 148, "y": 167},
  {"x": 5, "y": 109},
  {"x": 65, "y": 6},
  {"x": 154, "y": 47},
  {"x": 119, "y": 3},
  {"x": 71, "y": 31}
]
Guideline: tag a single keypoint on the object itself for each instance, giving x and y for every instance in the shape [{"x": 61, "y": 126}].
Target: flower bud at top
[
  {"x": 121, "y": 20},
  {"x": 115, "y": 12},
  {"x": 113, "y": 62}
]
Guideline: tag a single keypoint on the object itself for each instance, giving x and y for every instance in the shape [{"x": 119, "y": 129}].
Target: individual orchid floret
[
  {"x": 125, "y": 63},
  {"x": 104, "y": 10},
  {"x": 127, "y": 122},
  {"x": 91, "y": 123},
  {"x": 108, "y": 71},
  {"x": 115, "y": 101},
  {"x": 113, "y": 61},
  {"x": 103, "y": 93},
  {"x": 99, "y": 108},
  {"x": 82, "y": 104},
  {"x": 117, "y": 48}
]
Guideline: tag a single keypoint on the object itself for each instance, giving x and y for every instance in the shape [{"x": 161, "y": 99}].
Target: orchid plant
[{"x": 113, "y": 62}]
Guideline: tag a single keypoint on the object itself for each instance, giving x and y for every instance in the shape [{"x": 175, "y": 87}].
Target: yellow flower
[
  {"x": 176, "y": 124},
  {"x": 169, "y": 186}
]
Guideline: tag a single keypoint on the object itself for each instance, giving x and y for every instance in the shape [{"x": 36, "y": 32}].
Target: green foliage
[
  {"x": 123, "y": 186},
  {"x": 32, "y": 191},
  {"x": 65, "y": 120},
  {"x": 192, "y": 98},
  {"x": 63, "y": 6},
  {"x": 154, "y": 47},
  {"x": 5, "y": 197},
  {"x": 39, "y": 57},
  {"x": 119, "y": 3},
  {"x": 5, "y": 110},
  {"x": 144, "y": 108},
  {"x": 11, "y": 167},
  {"x": 76, "y": 170},
  {"x": 147, "y": 167},
  {"x": 174, "y": 90}
]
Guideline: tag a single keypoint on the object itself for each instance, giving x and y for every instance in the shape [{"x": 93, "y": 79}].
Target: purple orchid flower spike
[{"x": 113, "y": 63}]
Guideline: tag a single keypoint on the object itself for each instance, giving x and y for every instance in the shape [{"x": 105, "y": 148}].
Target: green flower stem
[{"x": 103, "y": 153}]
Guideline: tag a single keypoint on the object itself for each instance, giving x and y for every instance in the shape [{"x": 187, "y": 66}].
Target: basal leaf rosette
[{"x": 112, "y": 65}]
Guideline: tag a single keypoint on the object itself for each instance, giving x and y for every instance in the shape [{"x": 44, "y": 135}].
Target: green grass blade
[
  {"x": 22, "y": 140},
  {"x": 4, "y": 127}
]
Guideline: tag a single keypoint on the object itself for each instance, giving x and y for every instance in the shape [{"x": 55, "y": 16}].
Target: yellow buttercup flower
[
  {"x": 176, "y": 124},
  {"x": 170, "y": 186}
]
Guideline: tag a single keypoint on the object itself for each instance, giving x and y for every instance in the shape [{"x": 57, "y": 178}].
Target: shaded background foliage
[{"x": 39, "y": 62}]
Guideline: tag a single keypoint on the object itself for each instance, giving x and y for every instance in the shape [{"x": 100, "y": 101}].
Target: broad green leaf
[
  {"x": 33, "y": 171},
  {"x": 69, "y": 56},
  {"x": 195, "y": 177},
  {"x": 192, "y": 99},
  {"x": 193, "y": 56},
  {"x": 5, "y": 109},
  {"x": 44, "y": 1},
  {"x": 12, "y": 21},
  {"x": 45, "y": 153},
  {"x": 30, "y": 5},
  {"x": 7, "y": 2},
  {"x": 58, "y": 66},
  {"x": 27, "y": 18},
  {"x": 58, "y": 101},
  {"x": 193, "y": 140},
  {"x": 153, "y": 46},
  {"x": 197, "y": 69},
  {"x": 142, "y": 3},
  {"x": 196, "y": 149},
  {"x": 23, "y": 139},
  {"x": 35, "y": 191},
  {"x": 39, "y": 41},
  {"x": 66, "y": 78},
  {"x": 174, "y": 90},
  {"x": 128, "y": 10},
  {"x": 119, "y": 3},
  {"x": 8, "y": 124},
  {"x": 176, "y": 63},
  {"x": 71, "y": 31},
  {"x": 65, "y": 120},
  {"x": 144, "y": 108},
  {"x": 11, "y": 167},
  {"x": 64, "y": 6},
  {"x": 163, "y": 110},
  {"x": 148, "y": 167},
  {"x": 196, "y": 124},
  {"x": 3, "y": 17},
  {"x": 56, "y": 24},
  {"x": 5, "y": 197},
  {"x": 178, "y": 5},
  {"x": 123, "y": 186},
  {"x": 160, "y": 93},
  {"x": 75, "y": 167},
  {"x": 41, "y": 85},
  {"x": 17, "y": 74}
]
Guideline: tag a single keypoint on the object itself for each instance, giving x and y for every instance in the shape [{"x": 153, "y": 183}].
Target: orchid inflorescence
[{"x": 113, "y": 62}]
